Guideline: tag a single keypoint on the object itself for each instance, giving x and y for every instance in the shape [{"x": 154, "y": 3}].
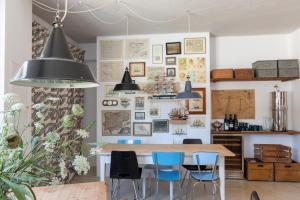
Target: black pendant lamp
[
  {"x": 56, "y": 67},
  {"x": 127, "y": 84},
  {"x": 188, "y": 93}
]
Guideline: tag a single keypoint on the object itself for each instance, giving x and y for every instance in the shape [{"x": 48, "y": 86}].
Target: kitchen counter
[{"x": 289, "y": 132}]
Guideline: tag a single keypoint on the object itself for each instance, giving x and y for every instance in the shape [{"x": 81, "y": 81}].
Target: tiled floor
[{"x": 235, "y": 190}]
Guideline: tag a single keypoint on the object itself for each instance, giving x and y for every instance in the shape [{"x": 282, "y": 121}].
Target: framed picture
[
  {"x": 139, "y": 103},
  {"x": 197, "y": 106},
  {"x": 116, "y": 122},
  {"x": 173, "y": 48},
  {"x": 139, "y": 116},
  {"x": 142, "y": 128},
  {"x": 170, "y": 60},
  {"x": 154, "y": 112},
  {"x": 157, "y": 54},
  {"x": 171, "y": 72},
  {"x": 195, "y": 45},
  {"x": 137, "y": 69},
  {"x": 160, "y": 126}
]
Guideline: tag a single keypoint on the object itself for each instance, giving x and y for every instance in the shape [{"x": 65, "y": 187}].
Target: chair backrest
[
  {"x": 205, "y": 158},
  {"x": 168, "y": 158},
  {"x": 125, "y": 141},
  {"x": 192, "y": 141},
  {"x": 124, "y": 165},
  {"x": 254, "y": 196}
]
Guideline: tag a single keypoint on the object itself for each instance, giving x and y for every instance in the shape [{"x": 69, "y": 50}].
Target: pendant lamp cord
[
  {"x": 57, "y": 17},
  {"x": 188, "y": 20}
]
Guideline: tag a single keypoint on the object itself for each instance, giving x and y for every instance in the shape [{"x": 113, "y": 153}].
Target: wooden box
[
  {"x": 265, "y": 68},
  {"x": 288, "y": 68},
  {"x": 244, "y": 74},
  {"x": 273, "y": 153},
  {"x": 256, "y": 170},
  {"x": 222, "y": 74},
  {"x": 287, "y": 172}
]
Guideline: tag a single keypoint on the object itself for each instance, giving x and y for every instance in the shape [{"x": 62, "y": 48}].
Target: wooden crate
[
  {"x": 287, "y": 172},
  {"x": 222, "y": 74},
  {"x": 256, "y": 170},
  {"x": 244, "y": 74},
  {"x": 273, "y": 153}
]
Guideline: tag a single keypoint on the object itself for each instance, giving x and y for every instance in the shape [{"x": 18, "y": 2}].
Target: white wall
[
  {"x": 2, "y": 55},
  {"x": 241, "y": 52}
]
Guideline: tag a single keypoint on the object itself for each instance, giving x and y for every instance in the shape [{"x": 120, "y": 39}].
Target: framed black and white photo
[
  {"x": 173, "y": 48},
  {"x": 154, "y": 112},
  {"x": 170, "y": 60},
  {"x": 157, "y": 54},
  {"x": 194, "y": 45},
  {"x": 142, "y": 128},
  {"x": 160, "y": 126},
  {"x": 139, "y": 103},
  {"x": 139, "y": 116},
  {"x": 171, "y": 72}
]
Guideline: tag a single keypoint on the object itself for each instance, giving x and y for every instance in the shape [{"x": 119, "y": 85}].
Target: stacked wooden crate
[{"x": 272, "y": 162}]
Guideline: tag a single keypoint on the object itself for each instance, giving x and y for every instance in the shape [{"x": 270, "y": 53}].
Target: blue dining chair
[
  {"x": 171, "y": 163},
  {"x": 210, "y": 175},
  {"x": 125, "y": 141}
]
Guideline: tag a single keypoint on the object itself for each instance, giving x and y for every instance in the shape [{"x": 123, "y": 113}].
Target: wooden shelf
[
  {"x": 289, "y": 132},
  {"x": 257, "y": 79},
  {"x": 177, "y": 121}
]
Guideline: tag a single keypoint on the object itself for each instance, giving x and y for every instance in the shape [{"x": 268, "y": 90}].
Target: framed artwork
[
  {"x": 137, "y": 69},
  {"x": 195, "y": 45},
  {"x": 142, "y": 128},
  {"x": 157, "y": 54},
  {"x": 173, "y": 48},
  {"x": 155, "y": 72},
  {"x": 154, "y": 112},
  {"x": 195, "y": 67},
  {"x": 170, "y": 60},
  {"x": 160, "y": 126},
  {"x": 137, "y": 48},
  {"x": 139, "y": 103},
  {"x": 197, "y": 106},
  {"x": 139, "y": 116},
  {"x": 116, "y": 122},
  {"x": 171, "y": 72}
]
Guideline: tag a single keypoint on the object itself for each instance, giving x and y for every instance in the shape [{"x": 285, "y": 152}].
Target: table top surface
[
  {"x": 82, "y": 191},
  {"x": 147, "y": 149}
]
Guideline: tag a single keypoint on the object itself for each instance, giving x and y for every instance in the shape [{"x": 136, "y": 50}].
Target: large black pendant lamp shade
[
  {"x": 188, "y": 93},
  {"x": 56, "y": 67},
  {"x": 127, "y": 84}
]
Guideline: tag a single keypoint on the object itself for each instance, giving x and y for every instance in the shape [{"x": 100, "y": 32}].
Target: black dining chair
[
  {"x": 254, "y": 196},
  {"x": 124, "y": 165},
  {"x": 189, "y": 168}
]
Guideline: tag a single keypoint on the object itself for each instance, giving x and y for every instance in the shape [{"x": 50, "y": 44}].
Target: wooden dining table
[
  {"x": 144, "y": 155},
  {"x": 78, "y": 191}
]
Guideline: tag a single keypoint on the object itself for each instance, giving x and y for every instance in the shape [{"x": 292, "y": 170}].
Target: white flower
[
  {"x": 39, "y": 106},
  {"x": 38, "y": 125},
  {"x": 18, "y": 106},
  {"x": 93, "y": 151},
  {"x": 39, "y": 115},
  {"x": 55, "y": 181},
  {"x": 81, "y": 165},
  {"x": 49, "y": 147},
  {"x": 77, "y": 110},
  {"x": 63, "y": 169},
  {"x": 52, "y": 137},
  {"x": 11, "y": 98},
  {"x": 82, "y": 133},
  {"x": 53, "y": 98}
]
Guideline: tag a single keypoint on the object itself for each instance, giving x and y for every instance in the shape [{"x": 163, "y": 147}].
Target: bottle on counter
[
  {"x": 235, "y": 123},
  {"x": 226, "y": 123},
  {"x": 231, "y": 123}
]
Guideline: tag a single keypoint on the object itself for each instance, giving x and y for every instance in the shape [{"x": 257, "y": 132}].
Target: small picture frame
[
  {"x": 157, "y": 54},
  {"x": 154, "y": 112},
  {"x": 170, "y": 60},
  {"x": 195, "y": 45},
  {"x": 160, "y": 126},
  {"x": 142, "y": 128},
  {"x": 139, "y": 103},
  {"x": 137, "y": 69},
  {"x": 139, "y": 115},
  {"x": 173, "y": 48},
  {"x": 171, "y": 72},
  {"x": 197, "y": 106}
]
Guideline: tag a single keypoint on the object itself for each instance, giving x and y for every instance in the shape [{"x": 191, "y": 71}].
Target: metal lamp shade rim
[
  {"x": 188, "y": 95},
  {"x": 125, "y": 87}
]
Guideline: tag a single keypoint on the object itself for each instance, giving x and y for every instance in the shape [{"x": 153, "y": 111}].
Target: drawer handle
[
  {"x": 287, "y": 166},
  {"x": 260, "y": 165}
]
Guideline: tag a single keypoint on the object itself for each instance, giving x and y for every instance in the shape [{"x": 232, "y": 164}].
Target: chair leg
[
  {"x": 182, "y": 182},
  {"x": 134, "y": 188},
  {"x": 119, "y": 189},
  {"x": 171, "y": 190},
  {"x": 156, "y": 191},
  {"x": 194, "y": 189},
  {"x": 144, "y": 188},
  {"x": 189, "y": 187},
  {"x": 112, "y": 189}
]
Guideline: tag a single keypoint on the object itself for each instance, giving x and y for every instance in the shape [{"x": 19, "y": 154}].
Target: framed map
[
  {"x": 195, "y": 67},
  {"x": 111, "y": 50},
  {"x": 111, "y": 71},
  {"x": 116, "y": 122},
  {"x": 137, "y": 49}
]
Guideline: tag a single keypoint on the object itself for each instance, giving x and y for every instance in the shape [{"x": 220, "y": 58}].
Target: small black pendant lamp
[
  {"x": 56, "y": 67},
  {"x": 188, "y": 94},
  {"x": 127, "y": 84}
]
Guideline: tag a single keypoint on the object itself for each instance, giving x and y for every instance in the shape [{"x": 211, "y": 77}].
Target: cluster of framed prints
[{"x": 147, "y": 128}]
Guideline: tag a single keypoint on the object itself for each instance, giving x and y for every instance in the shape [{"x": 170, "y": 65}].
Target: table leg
[
  {"x": 102, "y": 168},
  {"x": 144, "y": 188},
  {"x": 171, "y": 190},
  {"x": 222, "y": 177}
]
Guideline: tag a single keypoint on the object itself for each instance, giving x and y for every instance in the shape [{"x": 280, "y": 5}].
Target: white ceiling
[{"x": 220, "y": 17}]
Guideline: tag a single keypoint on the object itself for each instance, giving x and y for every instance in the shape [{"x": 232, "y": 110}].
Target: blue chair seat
[
  {"x": 169, "y": 175},
  {"x": 204, "y": 176}
]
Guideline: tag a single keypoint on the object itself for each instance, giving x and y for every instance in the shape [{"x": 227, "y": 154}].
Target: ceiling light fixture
[{"x": 56, "y": 67}]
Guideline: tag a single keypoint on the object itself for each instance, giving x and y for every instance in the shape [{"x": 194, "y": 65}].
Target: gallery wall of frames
[{"x": 159, "y": 64}]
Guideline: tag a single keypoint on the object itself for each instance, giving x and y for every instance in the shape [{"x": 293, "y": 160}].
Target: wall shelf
[
  {"x": 289, "y": 132},
  {"x": 283, "y": 79},
  {"x": 177, "y": 121}
]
